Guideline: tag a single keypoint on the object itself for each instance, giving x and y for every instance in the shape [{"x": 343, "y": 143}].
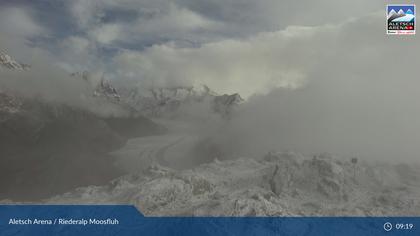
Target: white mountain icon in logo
[{"x": 392, "y": 12}]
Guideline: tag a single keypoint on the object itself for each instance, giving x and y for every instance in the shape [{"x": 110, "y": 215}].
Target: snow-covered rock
[
  {"x": 277, "y": 185},
  {"x": 97, "y": 87},
  {"x": 105, "y": 90},
  {"x": 8, "y": 62},
  {"x": 9, "y": 103},
  {"x": 158, "y": 102}
]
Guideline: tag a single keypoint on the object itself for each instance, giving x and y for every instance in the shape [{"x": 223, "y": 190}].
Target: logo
[{"x": 401, "y": 19}]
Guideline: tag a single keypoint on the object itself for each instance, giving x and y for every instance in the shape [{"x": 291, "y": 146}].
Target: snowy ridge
[
  {"x": 10, "y": 104},
  {"x": 106, "y": 90},
  {"x": 100, "y": 89},
  {"x": 280, "y": 184},
  {"x": 157, "y": 102},
  {"x": 8, "y": 62}
]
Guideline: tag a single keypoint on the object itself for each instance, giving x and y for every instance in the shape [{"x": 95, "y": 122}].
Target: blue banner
[{"x": 127, "y": 220}]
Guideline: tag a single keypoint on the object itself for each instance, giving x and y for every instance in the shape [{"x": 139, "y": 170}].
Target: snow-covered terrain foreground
[{"x": 279, "y": 184}]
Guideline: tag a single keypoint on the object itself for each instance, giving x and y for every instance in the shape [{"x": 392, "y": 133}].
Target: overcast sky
[
  {"x": 323, "y": 75},
  {"x": 241, "y": 46}
]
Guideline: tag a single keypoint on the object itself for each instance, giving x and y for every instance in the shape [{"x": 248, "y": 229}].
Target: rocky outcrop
[
  {"x": 101, "y": 89},
  {"x": 105, "y": 90},
  {"x": 8, "y": 62},
  {"x": 225, "y": 104},
  {"x": 280, "y": 184}
]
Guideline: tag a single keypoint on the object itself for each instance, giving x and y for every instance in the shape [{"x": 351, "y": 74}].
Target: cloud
[
  {"x": 360, "y": 100},
  {"x": 17, "y": 26},
  {"x": 248, "y": 17},
  {"x": 112, "y": 26},
  {"x": 46, "y": 79},
  {"x": 52, "y": 84},
  {"x": 324, "y": 82},
  {"x": 255, "y": 65},
  {"x": 118, "y": 23},
  {"x": 106, "y": 22},
  {"x": 18, "y": 22},
  {"x": 345, "y": 88},
  {"x": 106, "y": 34}
]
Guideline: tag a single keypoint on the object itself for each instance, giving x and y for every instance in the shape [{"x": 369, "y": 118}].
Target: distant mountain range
[{"x": 159, "y": 102}]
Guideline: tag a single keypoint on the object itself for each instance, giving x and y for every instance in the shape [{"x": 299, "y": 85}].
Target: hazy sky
[
  {"x": 325, "y": 74},
  {"x": 241, "y": 46}
]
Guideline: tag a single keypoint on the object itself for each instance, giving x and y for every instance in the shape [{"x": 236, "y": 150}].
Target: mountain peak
[
  {"x": 392, "y": 12},
  {"x": 105, "y": 89},
  {"x": 8, "y": 62},
  {"x": 169, "y": 101}
]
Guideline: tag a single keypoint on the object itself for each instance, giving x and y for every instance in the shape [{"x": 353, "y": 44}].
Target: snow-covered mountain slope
[
  {"x": 158, "y": 102},
  {"x": 280, "y": 184},
  {"x": 8, "y": 62},
  {"x": 101, "y": 88},
  {"x": 106, "y": 90},
  {"x": 9, "y": 103}
]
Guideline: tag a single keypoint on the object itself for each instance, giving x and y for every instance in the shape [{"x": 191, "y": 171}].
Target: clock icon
[{"x": 387, "y": 226}]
